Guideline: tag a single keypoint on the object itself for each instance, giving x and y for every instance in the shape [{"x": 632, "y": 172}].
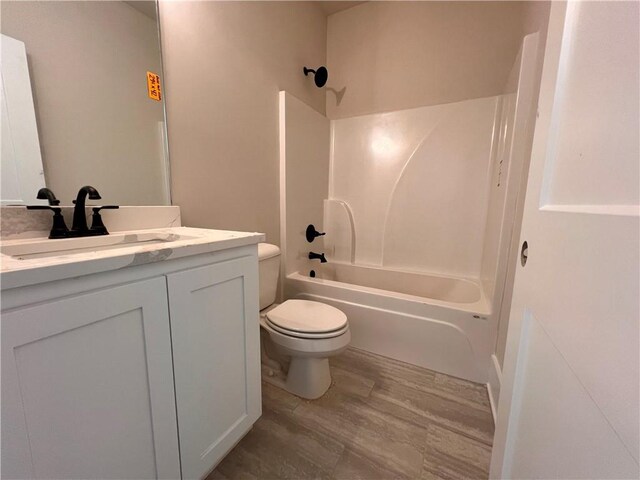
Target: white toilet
[{"x": 307, "y": 332}]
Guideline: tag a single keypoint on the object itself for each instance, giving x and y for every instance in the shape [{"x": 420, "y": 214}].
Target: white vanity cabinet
[{"x": 150, "y": 371}]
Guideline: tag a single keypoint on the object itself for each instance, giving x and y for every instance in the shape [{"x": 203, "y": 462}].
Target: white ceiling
[{"x": 336, "y": 6}]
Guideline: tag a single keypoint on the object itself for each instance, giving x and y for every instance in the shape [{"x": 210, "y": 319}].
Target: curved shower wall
[
  {"x": 416, "y": 182},
  {"x": 338, "y": 222}
]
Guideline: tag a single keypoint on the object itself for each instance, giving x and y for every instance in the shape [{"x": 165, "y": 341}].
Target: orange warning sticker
[{"x": 153, "y": 86}]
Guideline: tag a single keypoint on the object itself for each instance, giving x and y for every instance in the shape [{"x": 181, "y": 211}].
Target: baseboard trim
[{"x": 493, "y": 386}]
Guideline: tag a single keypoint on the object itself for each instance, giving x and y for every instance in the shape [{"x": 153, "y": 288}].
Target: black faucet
[
  {"x": 46, "y": 194},
  {"x": 59, "y": 228},
  {"x": 79, "y": 227},
  {"x": 317, "y": 256}
]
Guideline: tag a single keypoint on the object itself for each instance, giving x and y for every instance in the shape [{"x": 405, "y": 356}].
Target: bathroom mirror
[{"x": 82, "y": 101}]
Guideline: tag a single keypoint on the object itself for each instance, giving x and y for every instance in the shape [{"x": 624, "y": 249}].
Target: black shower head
[{"x": 320, "y": 75}]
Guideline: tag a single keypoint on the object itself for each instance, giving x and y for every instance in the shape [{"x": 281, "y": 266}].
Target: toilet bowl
[{"x": 306, "y": 332}]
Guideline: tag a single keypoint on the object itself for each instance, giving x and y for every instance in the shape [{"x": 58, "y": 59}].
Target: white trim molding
[{"x": 493, "y": 385}]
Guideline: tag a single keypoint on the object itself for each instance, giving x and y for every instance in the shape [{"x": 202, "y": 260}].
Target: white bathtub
[{"x": 438, "y": 322}]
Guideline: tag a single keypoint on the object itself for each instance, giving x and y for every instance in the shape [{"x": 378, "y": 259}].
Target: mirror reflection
[{"x": 82, "y": 101}]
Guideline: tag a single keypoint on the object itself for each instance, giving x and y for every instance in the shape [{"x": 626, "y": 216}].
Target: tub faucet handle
[
  {"x": 317, "y": 256},
  {"x": 312, "y": 233}
]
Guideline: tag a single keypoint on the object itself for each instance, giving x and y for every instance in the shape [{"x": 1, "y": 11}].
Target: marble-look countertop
[{"x": 154, "y": 245}]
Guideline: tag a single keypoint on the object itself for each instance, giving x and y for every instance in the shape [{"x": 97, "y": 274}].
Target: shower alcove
[{"x": 418, "y": 206}]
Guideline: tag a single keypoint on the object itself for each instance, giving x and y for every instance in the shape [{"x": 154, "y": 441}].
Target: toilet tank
[{"x": 269, "y": 270}]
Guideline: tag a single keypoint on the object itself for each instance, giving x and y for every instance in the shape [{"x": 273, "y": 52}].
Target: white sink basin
[{"x": 43, "y": 248}]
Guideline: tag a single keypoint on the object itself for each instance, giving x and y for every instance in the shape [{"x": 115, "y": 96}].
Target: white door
[
  {"x": 569, "y": 402},
  {"x": 87, "y": 387},
  {"x": 216, "y": 349},
  {"x": 21, "y": 171}
]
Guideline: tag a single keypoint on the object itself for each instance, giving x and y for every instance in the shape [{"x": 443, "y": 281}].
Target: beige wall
[
  {"x": 398, "y": 55},
  {"x": 225, "y": 63},
  {"x": 88, "y": 64}
]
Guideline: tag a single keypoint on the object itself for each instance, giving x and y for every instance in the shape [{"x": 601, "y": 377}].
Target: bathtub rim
[{"x": 481, "y": 307}]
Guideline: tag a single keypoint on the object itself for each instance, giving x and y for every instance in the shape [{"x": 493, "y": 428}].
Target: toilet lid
[
  {"x": 305, "y": 316},
  {"x": 314, "y": 336}
]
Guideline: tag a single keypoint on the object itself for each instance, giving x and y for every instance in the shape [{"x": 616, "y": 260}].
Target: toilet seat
[
  {"x": 307, "y": 319},
  {"x": 291, "y": 333}
]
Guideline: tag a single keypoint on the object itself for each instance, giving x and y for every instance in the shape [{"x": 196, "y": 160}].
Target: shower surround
[
  {"x": 418, "y": 207},
  {"x": 416, "y": 183}
]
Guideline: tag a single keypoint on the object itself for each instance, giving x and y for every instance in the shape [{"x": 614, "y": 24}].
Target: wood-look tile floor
[{"x": 381, "y": 419}]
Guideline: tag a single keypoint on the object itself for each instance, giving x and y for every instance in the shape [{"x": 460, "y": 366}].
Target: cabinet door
[
  {"x": 216, "y": 350},
  {"x": 87, "y": 387}
]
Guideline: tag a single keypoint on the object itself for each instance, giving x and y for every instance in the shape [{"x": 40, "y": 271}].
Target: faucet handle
[
  {"x": 311, "y": 233},
  {"x": 59, "y": 228},
  {"x": 97, "y": 225},
  {"x": 96, "y": 209},
  {"x": 42, "y": 207}
]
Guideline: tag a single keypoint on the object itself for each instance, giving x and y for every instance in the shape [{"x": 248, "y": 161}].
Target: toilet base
[
  {"x": 307, "y": 374},
  {"x": 308, "y": 377}
]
